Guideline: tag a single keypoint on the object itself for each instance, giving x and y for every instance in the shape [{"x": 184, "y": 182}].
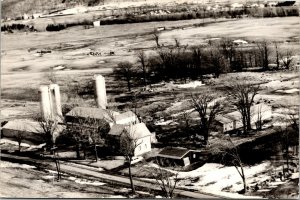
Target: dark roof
[
  {"x": 173, "y": 152},
  {"x": 89, "y": 112}
]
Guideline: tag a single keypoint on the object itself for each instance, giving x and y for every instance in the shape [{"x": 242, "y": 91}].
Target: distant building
[
  {"x": 235, "y": 6},
  {"x": 233, "y": 121},
  {"x": 271, "y": 4},
  {"x": 96, "y": 23},
  {"x": 29, "y": 130},
  {"x": 126, "y": 118},
  {"x": 138, "y": 133},
  {"x": 239, "y": 42}
]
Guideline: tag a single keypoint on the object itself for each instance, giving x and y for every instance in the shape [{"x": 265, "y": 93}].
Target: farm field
[{"x": 72, "y": 57}]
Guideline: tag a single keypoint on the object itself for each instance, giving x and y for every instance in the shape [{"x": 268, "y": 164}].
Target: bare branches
[
  {"x": 125, "y": 70},
  {"x": 156, "y": 38},
  {"x": 243, "y": 94},
  {"x": 166, "y": 180},
  {"x": 230, "y": 151},
  {"x": 207, "y": 110}
]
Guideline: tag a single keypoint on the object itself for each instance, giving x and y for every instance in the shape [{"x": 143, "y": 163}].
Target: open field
[
  {"x": 23, "y": 181},
  {"x": 23, "y": 70}
]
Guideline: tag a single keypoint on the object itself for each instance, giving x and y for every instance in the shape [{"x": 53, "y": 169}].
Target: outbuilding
[
  {"x": 174, "y": 156},
  {"x": 28, "y": 130}
]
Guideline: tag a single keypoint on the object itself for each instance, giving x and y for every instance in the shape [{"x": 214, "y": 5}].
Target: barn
[
  {"x": 83, "y": 114},
  {"x": 28, "y": 130}
]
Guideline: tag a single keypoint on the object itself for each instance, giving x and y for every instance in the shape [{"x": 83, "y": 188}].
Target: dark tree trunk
[
  {"x": 77, "y": 151},
  {"x": 128, "y": 85},
  {"x": 96, "y": 153},
  {"x": 130, "y": 175}
]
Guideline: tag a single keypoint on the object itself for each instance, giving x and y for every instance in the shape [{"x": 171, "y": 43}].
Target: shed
[
  {"x": 96, "y": 23},
  {"x": 172, "y": 156},
  {"x": 139, "y": 134},
  {"x": 28, "y": 130},
  {"x": 126, "y": 118}
]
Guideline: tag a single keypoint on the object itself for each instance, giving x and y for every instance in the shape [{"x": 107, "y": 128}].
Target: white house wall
[{"x": 144, "y": 147}]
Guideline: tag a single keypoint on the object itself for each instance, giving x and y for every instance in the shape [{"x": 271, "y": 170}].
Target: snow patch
[
  {"x": 193, "y": 84},
  {"x": 4, "y": 164}
]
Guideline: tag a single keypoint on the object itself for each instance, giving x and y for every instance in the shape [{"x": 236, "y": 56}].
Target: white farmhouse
[
  {"x": 138, "y": 134},
  {"x": 126, "y": 118}
]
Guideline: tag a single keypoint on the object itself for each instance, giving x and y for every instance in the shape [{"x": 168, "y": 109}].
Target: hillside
[{"x": 16, "y": 8}]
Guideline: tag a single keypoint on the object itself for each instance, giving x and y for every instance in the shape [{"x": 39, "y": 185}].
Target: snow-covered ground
[
  {"x": 4, "y": 164},
  {"x": 225, "y": 180},
  {"x": 193, "y": 84}
]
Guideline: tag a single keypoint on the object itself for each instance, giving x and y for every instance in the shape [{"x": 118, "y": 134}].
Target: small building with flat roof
[{"x": 174, "y": 156}]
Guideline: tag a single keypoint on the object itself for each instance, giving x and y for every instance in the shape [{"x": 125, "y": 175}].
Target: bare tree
[
  {"x": 264, "y": 50},
  {"x": 258, "y": 122},
  {"x": 49, "y": 128},
  {"x": 142, "y": 59},
  {"x": 287, "y": 60},
  {"x": 19, "y": 138},
  {"x": 243, "y": 94},
  {"x": 125, "y": 70},
  {"x": 128, "y": 145},
  {"x": 97, "y": 131},
  {"x": 166, "y": 181},
  {"x": 156, "y": 38},
  {"x": 177, "y": 43},
  {"x": 230, "y": 154},
  {"x": 207, "y": 112},
  {"x": 277, "y": 55}
]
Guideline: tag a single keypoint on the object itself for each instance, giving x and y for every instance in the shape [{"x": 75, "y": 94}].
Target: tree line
[{"x": 181, "y": 62}]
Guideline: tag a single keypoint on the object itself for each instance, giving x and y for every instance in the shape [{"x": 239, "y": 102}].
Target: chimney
[{"x": 100, "y": 91}]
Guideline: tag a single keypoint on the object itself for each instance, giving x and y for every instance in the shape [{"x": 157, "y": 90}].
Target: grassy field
[{"x": 23, "y": 69}]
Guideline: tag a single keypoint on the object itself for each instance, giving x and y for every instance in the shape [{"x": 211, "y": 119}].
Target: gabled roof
[
  {"x": 125, "y": 115},
  {"x": 28, "y": 126},
  {"x": 89, "y": 112},
  {"x": 136, "y": 131},
  {"x": 223, "y": 120},
  {"x": 173, "y": 152}
]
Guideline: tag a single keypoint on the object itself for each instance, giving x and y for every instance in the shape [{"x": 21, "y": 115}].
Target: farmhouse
[
  {"x": 28, "y": 130},
  {"x": 136, "y": 135},
  {"x": 126, "y": 118},
  {"x": 233, "y": 121}
]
